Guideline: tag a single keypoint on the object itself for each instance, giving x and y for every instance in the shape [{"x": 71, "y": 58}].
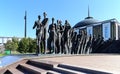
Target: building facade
[
  {"x": 108, "y": 29},
  {"x": 4, "y": 40}
]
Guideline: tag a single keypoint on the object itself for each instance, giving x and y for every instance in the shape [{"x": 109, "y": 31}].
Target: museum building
[{"x": 109, "y": 29}]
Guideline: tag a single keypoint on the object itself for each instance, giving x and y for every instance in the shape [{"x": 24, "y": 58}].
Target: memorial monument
[{"x": 64, "y": 39}]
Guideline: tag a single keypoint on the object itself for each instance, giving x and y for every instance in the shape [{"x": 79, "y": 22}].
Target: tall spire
[
  {"x": 88, "y": 11},
  {"x": 88, "y": 17},
  {"x": 25, "y": 18}
]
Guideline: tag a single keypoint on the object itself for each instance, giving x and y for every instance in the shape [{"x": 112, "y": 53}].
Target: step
[
  {"x": 14, "y": 71},
  {"x": 52, "y": 72},
  {"x": 31, "y": 69},
  {"x": 84, "y": 70},
  {"x": 12, "y": 67},
  {"x": 6, "y": 72},
  {"x": 67, "y": 71},
  {"x": 43, "y": 64}
]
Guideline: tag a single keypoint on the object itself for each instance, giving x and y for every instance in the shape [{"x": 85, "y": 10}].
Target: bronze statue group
[
  {"x": 41, "y": 32},
  {"x": 63, "y": 39}
]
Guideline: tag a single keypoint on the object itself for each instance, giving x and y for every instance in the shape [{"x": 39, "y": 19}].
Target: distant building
[
  {"x": 109, "y": 29},
  {"x": 3, "y": 40}
]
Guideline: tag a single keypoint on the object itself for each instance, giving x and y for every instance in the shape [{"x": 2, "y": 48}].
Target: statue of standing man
[
  {"x": 45, "y": 24},
  {"x": 52, "y": 37},
  {"x": 39, "y": 34}
]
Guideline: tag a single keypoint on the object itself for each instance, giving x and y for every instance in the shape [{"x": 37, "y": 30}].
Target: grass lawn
[{"x": 2, "y": 55}]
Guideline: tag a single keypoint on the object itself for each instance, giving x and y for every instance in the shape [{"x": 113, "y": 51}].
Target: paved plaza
[
  {"x": 80, "y": 64},
  {"x": 105, "y": 63}
]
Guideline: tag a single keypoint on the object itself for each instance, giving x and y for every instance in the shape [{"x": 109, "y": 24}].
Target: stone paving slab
[{"x": 106, "y": 63}]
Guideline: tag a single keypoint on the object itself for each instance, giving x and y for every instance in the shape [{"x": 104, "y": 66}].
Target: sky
[{"x": 12, "y": 13}]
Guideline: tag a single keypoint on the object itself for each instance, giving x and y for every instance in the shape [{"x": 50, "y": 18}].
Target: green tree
[
  {"x": 8, "y": 45},
  {"x": 32, "y": 45},
  {"x": 15, "y": 39},
  {"x": 23, "y": 45},
  {"x": 15, "y": 42},
  {"x": 12, "y": 44}
]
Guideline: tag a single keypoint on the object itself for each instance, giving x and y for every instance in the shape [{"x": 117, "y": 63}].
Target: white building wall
[
  {"x": 0, "y": 40},
  {"x": 116, "y": 25},
  {"x": 106, "y": 30},
  {"x": 89, "y": 30}
]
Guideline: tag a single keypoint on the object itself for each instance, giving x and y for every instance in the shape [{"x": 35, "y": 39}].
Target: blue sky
[{"x": 12, "y": 13}]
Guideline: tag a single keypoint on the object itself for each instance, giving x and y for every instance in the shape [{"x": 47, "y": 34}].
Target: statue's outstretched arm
[{"x": 34, "y": 25}]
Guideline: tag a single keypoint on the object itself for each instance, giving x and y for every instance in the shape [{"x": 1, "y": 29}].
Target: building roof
[
  {"x": 87, "y": 21},
  {"x": 90, "y": 20}
]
